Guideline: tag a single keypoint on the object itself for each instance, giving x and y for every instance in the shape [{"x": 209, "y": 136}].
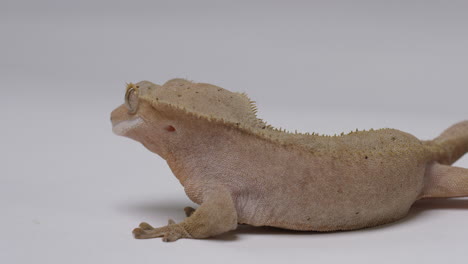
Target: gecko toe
[
  {"x": 138, "y": 232},
  {"x": 171, "y": 237},
  {"x": 145, "y": 226}
]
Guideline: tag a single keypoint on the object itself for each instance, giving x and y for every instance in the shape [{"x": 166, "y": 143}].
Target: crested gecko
[{"x": 240, "y": 170}]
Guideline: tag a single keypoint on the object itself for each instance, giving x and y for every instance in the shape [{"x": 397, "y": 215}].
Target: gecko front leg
[{"x": 216, "y": 215}]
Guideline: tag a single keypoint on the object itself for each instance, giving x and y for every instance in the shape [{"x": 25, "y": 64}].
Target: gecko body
[{"x": 243, "y": 171}]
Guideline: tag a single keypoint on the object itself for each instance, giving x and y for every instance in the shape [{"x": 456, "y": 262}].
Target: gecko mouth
[{"x": 122, "y": 127}]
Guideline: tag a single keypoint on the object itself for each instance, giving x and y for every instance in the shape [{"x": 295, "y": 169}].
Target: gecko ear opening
[{"x": 170, "y": 128}]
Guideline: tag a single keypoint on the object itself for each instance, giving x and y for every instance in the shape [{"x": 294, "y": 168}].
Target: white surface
[
  {"x": 122, "y": 127},
  {"x": 71, "y": 191}
]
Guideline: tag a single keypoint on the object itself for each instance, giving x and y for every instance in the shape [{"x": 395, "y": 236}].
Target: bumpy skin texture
[{"x": 241, "y": 170}]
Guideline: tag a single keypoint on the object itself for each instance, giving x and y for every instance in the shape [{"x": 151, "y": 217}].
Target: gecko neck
[{"x": 196, "y": 156}]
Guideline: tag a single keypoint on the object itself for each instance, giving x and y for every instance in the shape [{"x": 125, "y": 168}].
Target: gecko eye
[{"x": 131, "y": 100}]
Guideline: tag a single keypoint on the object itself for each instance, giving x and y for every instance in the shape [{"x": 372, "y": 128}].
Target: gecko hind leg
[{"x": 445, "y": 181}]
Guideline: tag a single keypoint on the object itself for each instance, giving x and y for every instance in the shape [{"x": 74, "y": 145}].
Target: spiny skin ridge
[
  {"x": 255, "y": 124},
  {"x": 276, "y": 136},
  {"x": 240, "y": 115}
]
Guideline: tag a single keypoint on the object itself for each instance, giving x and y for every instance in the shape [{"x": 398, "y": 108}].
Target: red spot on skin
[{"x": 170, "y": 128}]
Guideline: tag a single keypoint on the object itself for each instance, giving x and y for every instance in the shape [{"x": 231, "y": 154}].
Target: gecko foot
[{"x": 169, "y": 233}]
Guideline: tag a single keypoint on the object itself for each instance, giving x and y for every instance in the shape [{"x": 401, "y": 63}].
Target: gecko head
[
  {"x": 138, "y": 119},
  {"x": 164, "y": 116}
]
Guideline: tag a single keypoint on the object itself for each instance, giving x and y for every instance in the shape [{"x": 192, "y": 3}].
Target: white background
[{"x": 71, "y": 191}]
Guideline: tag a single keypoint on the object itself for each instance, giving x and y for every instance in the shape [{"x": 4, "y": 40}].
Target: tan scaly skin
[{"x": 241, "y": 170}]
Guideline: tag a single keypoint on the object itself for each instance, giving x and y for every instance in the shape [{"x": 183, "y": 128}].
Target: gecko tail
[
  {"x": 441, "y": 179},
  {"x": 452, "y": 144}
]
